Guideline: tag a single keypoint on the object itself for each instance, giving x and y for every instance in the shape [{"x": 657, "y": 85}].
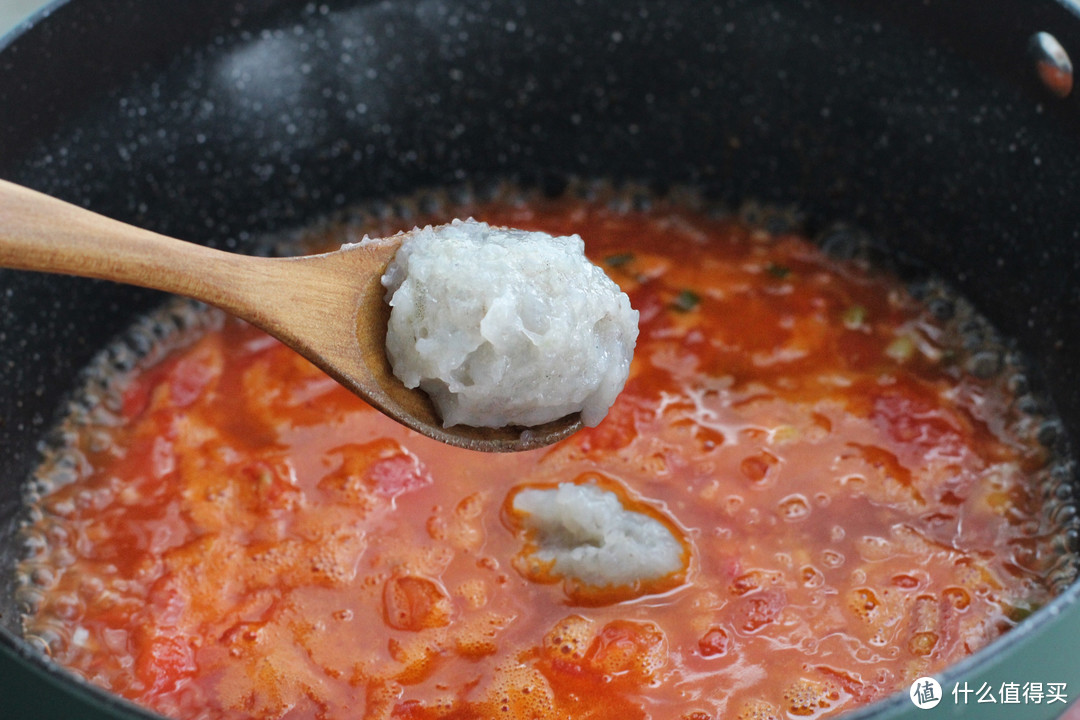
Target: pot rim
[{"x": 19, "y": 29}]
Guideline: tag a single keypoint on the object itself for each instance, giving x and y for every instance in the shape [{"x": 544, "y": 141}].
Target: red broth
[{"x": 236, "y": 536}]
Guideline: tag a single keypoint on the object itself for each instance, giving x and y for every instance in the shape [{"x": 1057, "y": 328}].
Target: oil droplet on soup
[{"x": 226, "y": 533}]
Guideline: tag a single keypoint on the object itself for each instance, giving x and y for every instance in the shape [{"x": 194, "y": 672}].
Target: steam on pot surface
[{"x": 841, "y": 461}]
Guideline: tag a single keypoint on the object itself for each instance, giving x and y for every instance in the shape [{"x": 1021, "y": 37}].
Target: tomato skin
[
  {"x": 714, "y": 643},
  {"x": 913, "y": 415},
  {"x": 164, "y": 662},
  {"x": 415, "y": 603},
  {"x": 760, "y": 609},
  {"x": 628, "y": 651},
  {"x": 398, "y": 474},
  {"x": 189, "y": 379},
  {"x": 135, "y": 398}
]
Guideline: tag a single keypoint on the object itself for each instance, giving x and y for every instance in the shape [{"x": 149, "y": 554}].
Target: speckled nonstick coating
[{"x": 920, "y": 123}]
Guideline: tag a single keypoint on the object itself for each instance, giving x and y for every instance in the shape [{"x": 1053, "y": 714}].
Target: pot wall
[{"x": 218, "y": 122}]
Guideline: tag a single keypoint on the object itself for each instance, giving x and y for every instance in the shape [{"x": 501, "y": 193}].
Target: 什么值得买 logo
[{"x": 925, "y": 693}]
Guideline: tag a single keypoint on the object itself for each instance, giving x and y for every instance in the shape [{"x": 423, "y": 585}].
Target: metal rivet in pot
[{"x": 1052, "y": 63}]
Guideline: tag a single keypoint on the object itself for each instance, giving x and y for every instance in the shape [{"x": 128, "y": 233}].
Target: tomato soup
[{"x": 848, "y": 465}]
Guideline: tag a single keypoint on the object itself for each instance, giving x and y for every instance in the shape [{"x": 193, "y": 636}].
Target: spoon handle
[
  {"x": 42, "y": 233},
  {"x": 312, "y": 303}
]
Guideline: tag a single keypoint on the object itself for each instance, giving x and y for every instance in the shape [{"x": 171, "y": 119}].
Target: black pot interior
[{"x": 922, "y": 124}]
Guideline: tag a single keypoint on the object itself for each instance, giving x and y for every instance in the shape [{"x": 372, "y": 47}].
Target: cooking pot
[{"x": 926, "y": 124}]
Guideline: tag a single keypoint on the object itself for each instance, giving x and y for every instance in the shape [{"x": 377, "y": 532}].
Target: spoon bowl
[{"x": 328, "y": 307}]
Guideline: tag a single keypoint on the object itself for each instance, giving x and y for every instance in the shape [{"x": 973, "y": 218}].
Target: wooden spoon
[{"x": 327, "y": 307}]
